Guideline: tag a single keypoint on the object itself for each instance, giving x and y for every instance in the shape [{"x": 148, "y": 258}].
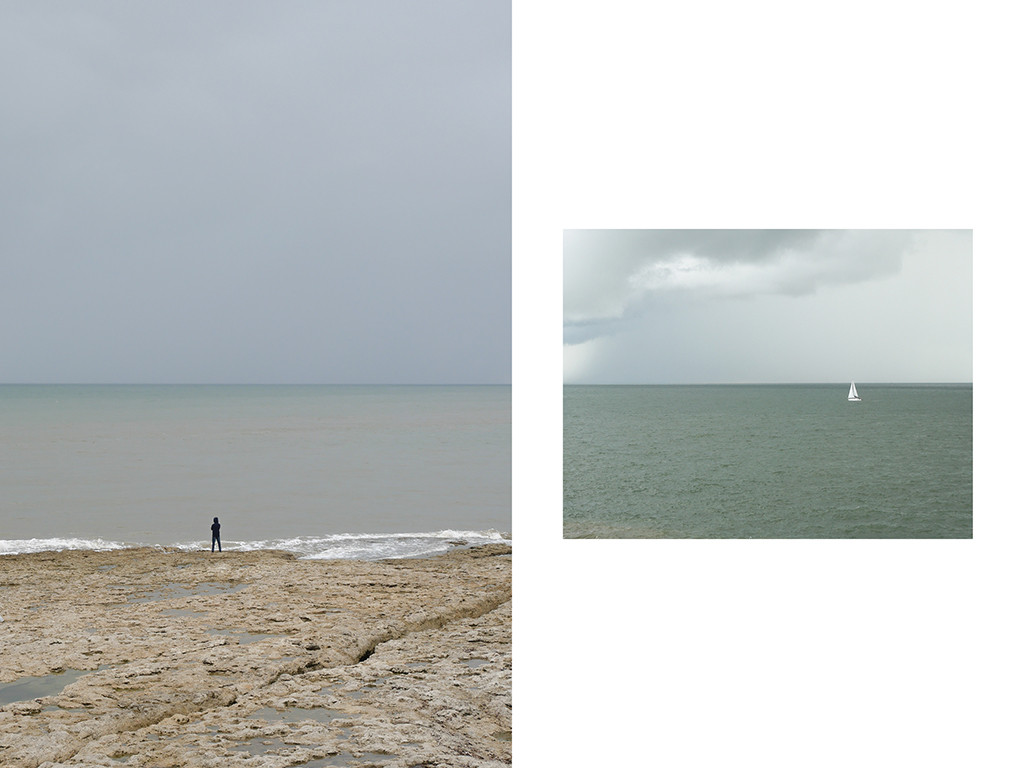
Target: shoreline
[
  {"x": 337, "y": 546},
  {"x": 257, "y": 657}
]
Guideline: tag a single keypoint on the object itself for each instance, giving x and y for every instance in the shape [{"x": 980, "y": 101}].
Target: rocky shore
[{"x": 165, "y": 658}]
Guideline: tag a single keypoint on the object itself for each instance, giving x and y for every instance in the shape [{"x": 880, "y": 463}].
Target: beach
[{"x": 170, "y": 657}]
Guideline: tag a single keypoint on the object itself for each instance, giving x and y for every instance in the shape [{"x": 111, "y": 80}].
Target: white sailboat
[{"x": 853, "y": 398}]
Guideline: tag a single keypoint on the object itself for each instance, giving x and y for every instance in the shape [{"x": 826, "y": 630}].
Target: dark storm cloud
[
  {"x": 724, "y": 244},
  {"x": 611, "y": 274},
  {"x": 257, "y": 190}
]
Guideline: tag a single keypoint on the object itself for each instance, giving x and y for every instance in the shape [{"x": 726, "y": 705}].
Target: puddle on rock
[
  {"x": 28, "y": 688},
  {"x": 172, "y": 591},
  {"x": 344, "y": 759},
  {"x": 367, "y": 690},
  {"x": 371, "y": 756},
  {"x": 301, "y": 714},
  {"x": 266, "y": 745},
  {"x": 261, "y": 746},
  {"x": 244, "y": 638}
]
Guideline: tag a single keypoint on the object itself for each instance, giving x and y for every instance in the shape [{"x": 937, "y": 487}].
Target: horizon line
[
  {"x": 246, "y": 384},
  {"x": 744, "y": 383}
]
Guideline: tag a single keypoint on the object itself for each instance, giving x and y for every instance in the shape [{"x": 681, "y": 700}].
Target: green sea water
[{"x": 768, "y": 461}]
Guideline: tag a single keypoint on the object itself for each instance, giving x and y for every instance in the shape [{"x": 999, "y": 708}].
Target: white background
[{"x": 739, "y": 653}]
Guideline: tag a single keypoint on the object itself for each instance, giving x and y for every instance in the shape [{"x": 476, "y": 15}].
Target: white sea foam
[
  {"x": 369, "y": 546},
  {"x": 21, "y": 546},
  {"x": 342, "y": 546}
]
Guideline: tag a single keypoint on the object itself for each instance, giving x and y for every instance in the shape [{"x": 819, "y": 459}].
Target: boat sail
[{"x": 853, "y": 393}]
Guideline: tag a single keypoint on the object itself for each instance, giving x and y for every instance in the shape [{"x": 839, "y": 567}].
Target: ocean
[
  {"x": 768, "y": 461},
  {"x": 365, "y": 472}
]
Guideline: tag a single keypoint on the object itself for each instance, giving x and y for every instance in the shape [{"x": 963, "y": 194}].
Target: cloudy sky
[
  {"x": 255, "y": 191},
  {"x": 750, "y": 306}
]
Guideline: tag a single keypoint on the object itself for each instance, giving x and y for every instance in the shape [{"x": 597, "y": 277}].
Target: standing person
[{"x": 216, "y": 535}]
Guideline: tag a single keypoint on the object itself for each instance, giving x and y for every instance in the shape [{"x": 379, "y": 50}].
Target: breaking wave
[{"x": 340, "y": 546}]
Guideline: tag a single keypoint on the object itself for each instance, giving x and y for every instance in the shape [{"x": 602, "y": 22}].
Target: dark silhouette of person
[{"x": 216, "y": 535}]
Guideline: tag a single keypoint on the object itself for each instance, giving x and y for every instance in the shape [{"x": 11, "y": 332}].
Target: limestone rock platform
[{"x": 165, "y": 658}]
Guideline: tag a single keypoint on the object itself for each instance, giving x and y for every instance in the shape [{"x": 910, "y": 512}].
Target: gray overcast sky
[
  {"x": 751, "y": 306},
  {"x": 255, "y": 191}
]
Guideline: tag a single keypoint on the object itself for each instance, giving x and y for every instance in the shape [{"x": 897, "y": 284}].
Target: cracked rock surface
[{"x": 166, "y": 658}]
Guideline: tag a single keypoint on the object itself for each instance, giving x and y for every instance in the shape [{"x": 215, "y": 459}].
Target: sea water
[
  {"x": 786, "y": 461},
  {"x": 323, "y": 471}
]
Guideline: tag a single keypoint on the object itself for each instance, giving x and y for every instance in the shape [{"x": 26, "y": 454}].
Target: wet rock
[{"x": 258, "y": 658}]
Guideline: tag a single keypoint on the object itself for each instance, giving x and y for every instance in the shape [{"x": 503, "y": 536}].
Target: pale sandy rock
[{"x": 257, "y": 659}]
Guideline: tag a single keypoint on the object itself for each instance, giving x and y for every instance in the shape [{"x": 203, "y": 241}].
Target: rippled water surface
[{"x": 787, "y": 461}]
